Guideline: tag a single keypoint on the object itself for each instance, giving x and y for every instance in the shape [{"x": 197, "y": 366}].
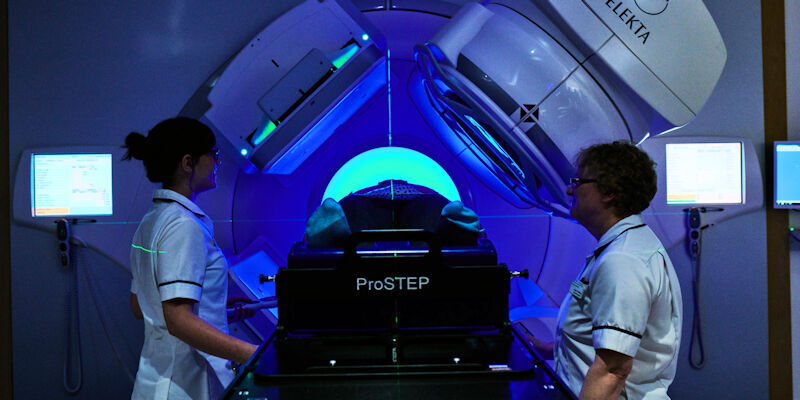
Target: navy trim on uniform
[
  {"x": 594, "y": 328},
  {"x": 602, "y": 248},
  {"x": 171, "y": 282}
]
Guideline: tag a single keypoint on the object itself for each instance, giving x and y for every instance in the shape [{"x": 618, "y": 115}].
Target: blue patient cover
[{"x": 327, "y": 226}]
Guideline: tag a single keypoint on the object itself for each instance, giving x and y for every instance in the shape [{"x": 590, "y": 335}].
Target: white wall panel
[{"x": 733, "y": 270}]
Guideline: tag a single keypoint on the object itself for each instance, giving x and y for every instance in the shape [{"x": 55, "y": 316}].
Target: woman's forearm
[{"x": 196, "y": 332}]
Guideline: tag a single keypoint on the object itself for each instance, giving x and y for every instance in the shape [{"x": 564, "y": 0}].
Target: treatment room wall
[
  {"x": 87, "y": 73},
  {"x": 733, "y": 267},
  {"x": 793, "y": 112}
]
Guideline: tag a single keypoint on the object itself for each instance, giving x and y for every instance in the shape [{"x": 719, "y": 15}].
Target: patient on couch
[{"x": 392, "y": 204}]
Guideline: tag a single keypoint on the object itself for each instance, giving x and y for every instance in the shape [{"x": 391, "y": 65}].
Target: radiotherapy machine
[
  {"x": 484, "y": 103},
  {"x": 502, "y": 94},
  {"x": 512, "y": 89}
]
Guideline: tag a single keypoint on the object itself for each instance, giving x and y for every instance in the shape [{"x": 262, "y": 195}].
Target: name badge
[{"x": 577, "y": 289}]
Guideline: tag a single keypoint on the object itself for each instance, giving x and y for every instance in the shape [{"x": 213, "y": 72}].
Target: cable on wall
[
  {"x": 694, "y": 226},
  {"x": 104, "y": 324},
  {"x": 73, "y": 337},
  {"x": 72, "y": 349}
]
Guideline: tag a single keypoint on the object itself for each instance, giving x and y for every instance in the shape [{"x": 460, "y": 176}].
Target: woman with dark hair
[{"x": 179, "y": 273}]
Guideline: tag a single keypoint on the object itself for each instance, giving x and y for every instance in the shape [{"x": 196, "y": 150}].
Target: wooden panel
[{"x": 778, "y": 273}]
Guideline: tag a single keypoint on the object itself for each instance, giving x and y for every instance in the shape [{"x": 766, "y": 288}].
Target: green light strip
[
  {"x": 148, "y": 250},
  {"x": 348, "y": 54},
  {"x": 264, "y": 133}
]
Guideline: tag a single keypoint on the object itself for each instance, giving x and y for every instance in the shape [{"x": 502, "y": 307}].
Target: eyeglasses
[
  {"x": 575, "y": 182},
  {"x": 215, "y": 154}
]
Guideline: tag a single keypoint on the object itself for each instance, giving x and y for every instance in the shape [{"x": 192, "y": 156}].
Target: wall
[
  {"x": 792, "y": 9},
  {"x": 733, "y": 289},
  {"x": 89, "y": 72}
]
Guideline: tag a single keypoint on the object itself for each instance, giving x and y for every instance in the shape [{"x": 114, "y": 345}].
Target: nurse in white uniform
[
  {"x": 619, "y": 326},
  {"x": 179, "y": 273}
]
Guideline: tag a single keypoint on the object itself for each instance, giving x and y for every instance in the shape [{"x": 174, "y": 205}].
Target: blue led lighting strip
[
  {"x": 389, "y": 100},
  {"x": 389, "y": 91}
]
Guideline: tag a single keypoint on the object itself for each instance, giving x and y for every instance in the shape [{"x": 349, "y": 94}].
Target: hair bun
[{"x": 137, "y": 145}]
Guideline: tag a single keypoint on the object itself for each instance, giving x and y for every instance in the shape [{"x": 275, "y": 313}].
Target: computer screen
[
  {"x": 787, "y": 175},
  {"x": 705, "y": 173},
  {"x": 71, "y": 185}
]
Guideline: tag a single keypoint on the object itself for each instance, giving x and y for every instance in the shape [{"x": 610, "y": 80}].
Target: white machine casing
[
  {"x": 264, "y": 68},
  {"x": 630, "y": 36},
  {"x": 560, "y": 76},
  {"x": 633, "y": 37}
]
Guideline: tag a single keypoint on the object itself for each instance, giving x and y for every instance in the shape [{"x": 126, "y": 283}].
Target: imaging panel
[{"x": 271, "y": 101}]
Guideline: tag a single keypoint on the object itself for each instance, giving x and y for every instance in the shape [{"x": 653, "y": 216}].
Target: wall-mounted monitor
[
  {"x": 705, "y": 173},
  {"x": 85, "y": 183},
  {"x": 71, "y": 185},
  {"x": 721, "y": 175},
  {"x": 787, "y": 175}
]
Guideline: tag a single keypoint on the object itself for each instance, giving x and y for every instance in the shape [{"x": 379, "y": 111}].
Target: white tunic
[
  {"x": 627, "y": 300},
  {"x": 174, "y": 255}
]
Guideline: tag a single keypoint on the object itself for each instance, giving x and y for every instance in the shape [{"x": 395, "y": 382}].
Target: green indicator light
[
  {"x": 147, "y": 250},
  {"x": 244, "y": 152},
  {"x": 348, "y": 53},
  {"x": 365, "y": 37},
  {"x": 396, "y": 313},
  {"x": 791, "y": 229},
  {"x": 264, "y": 133}
]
